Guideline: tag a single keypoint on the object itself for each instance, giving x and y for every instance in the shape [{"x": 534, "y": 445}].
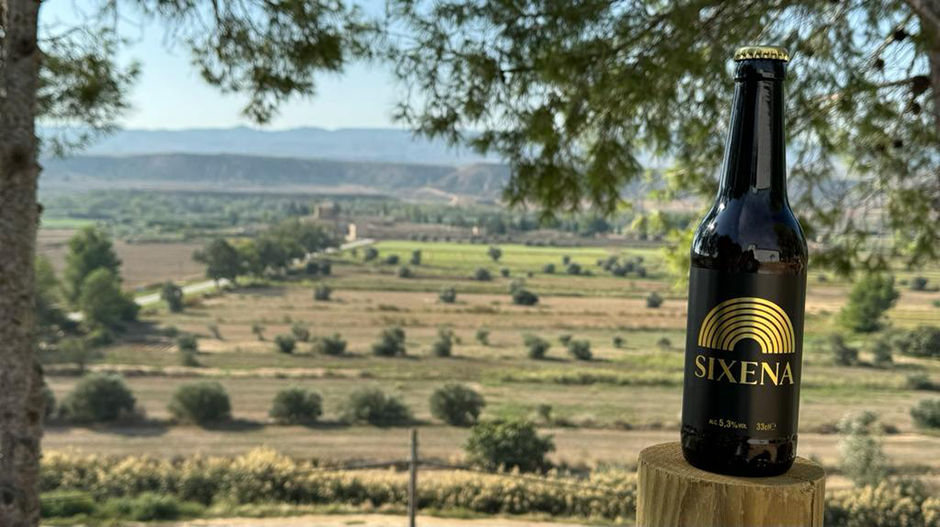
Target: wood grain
[{"x": 673, "y": 493}]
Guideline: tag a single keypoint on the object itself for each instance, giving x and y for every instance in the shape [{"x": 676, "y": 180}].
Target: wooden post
[
  {"x": 413, "y": 479},
  {"x": 672, "y": 493}
]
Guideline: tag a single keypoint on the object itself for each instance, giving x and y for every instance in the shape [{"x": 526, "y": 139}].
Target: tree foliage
[
  {"x": 89, "y": 249},
  {"x": 102, "y": 302},
  {"x": 456, "y": 404},
  {"x": 871, "y": 296},
  {"x": 579, "y": 96},
  {"x": 509, "y": 444}
]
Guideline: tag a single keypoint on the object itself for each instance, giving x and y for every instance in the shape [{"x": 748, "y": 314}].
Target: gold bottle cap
[{"x": 761, "y": 52}]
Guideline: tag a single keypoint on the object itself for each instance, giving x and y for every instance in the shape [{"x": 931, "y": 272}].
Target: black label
[{"x": 743, "y": 354}]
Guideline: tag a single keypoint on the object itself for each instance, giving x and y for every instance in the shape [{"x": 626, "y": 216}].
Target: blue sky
[{"x": 170, "y": 95}]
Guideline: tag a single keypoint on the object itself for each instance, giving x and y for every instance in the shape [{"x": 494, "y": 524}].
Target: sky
[{"x": 170, "y": 95}]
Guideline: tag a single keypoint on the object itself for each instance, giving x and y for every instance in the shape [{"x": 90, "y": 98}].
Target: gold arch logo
[{"x": 747, "y": 318}]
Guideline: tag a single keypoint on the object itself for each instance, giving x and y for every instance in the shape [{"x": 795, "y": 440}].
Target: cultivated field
[{"x": 602, "y": 411}]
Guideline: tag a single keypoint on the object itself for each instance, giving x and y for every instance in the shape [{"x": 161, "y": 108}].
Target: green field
[{"x": 602, "y": 411}]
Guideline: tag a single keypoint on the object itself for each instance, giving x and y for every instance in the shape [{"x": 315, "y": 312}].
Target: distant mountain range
[
  {"x": 378, "y": 145},
  {"x": 228, "y": 172}
]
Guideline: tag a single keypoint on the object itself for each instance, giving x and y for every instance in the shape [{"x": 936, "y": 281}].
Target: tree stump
[{"x": 673, "y": 493}]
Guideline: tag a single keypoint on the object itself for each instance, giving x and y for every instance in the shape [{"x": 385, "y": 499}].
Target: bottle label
[{"x": 743, "y": 353}]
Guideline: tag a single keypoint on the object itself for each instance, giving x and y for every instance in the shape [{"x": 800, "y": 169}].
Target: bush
[
  {"x": 922, "y": 341},
  {"x": 483, "y": 336},
  {"x": 98, "y": 398},
  {"x": 300, "y": 331},
  {"x": 860, "y": 455},
  {"x": 842, "y": 353},
  {"x": 405, "y": 272},
  {"x": 664, "y": 343},
  {"x": 322, "y": 292},
  {"x": 495, "y": 253},
  {"x": 504, "y": 272},
  {"x": 391, "y": 343},
  {"x": 536, "y": 345},
  {"x": 565, "y": 338},
  {"x": 482, "y": 274},
  {"x": 573, "y": 269},
  {"x": 296, "y": 406},
  {"x": 312, "y": 268},
  {"x": 926, "y": 413},
  {"x": 456, "y": 404},
  {"x": 654, "y": 300},
  {"x": 524, "y": 297},
  {"x": 448, "y": 295},
  {"x": 392, "y": 259},
  {"x": 580, "y": 349},
  {"x": 618, "y": 341},
  {"x": 200, "y": 403},
  {"x": 548, "y": 268},
  {"x": 66, "y": 503},
  {"x": 881, "y": 352},
  {"x": 371, "y": 253},
  {"x": 285, "y": 343},
  {"x": 870, "y": 298},
  {"x": 187, "y": 342},
  {"x": 372, "y": 406},
  {"x": 147, "y": 506},
  {"x": 919, "y": 283},
  {"x": 334, "y": 345},
  {"x": 415, "y": 257},
  {"x": 444, "y": 345},
  {"x": 565, "y": 259},
  {"x": 508, "y": 444},
  {"x": 640, "y": 271},
  {"x": 258, "y": 331},
  {"x": 172, "y": 294},
  {"x": 918, "y": 381}
]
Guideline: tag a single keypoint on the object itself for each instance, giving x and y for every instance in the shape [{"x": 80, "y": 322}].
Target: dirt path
[{"x": 366, "y": 520}]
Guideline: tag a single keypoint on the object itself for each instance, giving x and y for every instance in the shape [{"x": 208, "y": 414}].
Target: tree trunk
[{"x": 21, "y": 401}]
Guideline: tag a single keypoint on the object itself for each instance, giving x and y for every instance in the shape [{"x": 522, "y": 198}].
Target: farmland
[{"x": 600, "y": 411}]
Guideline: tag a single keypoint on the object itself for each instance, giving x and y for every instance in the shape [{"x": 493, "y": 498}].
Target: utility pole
[{"x": 413, "y": 479}]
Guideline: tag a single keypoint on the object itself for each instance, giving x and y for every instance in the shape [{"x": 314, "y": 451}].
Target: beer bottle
[{"x": 747, "y": 289}]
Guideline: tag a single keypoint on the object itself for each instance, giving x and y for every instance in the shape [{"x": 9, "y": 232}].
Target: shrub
[
  {"x": 187, "y": 342},
  {"x": 285, "y": 343},
  {"x": 524, "y": 297},
  {"x": 300, "y": 331},
  {"x": 444, "y": 345},
  {"x": 564, "y": 338},
  {"x": 456, "y": 404},
  {"x": 391, "y": 342},
  {"x": 860, "y": 455},
  {"x": 580, "y": 349},
  {"x": 312, "y": 268},
  {"x": 371, "y": 253},
  {"x": 405, "y": 272},
  {"x": 448, "y": 295},
  {"x": 618, "y": 341},
  {"x": 881, "y": 352},
  {"x": 147, "y": 506},
  {"x": 654, "y": 300},
  {"x": 98, "y": 398},
  {"x": 870, "y": 298},
  {"x": 573, "y": 269},
  {"x": 548, "y": 268},
  {"x": 392, "y": 259},
  {"x": 200, "y": 402},
  {"x": 509, "y": 444},
  {"x": 65, "y": 504},
  {"x": 296, "y": 406},
  {"x": 188, "y": 359},
  {"x": 536, "y": 345},
  {"x": 483, "y": 336},
  {"x": 326, "y": 268},
  {"x": 495, "y": 253},
  {"x": 415, "y": 257},
  {"x": 842, "y": 353},
  {"x": 258, "y": 331},
  {"x": 172, "y": 294},
  {"x": 919, "y": 283},
  {"x": 504, "y": 272},
  {"x": 334, "y": 345},
  {"x": 372, "y": 406},
  {"x": 482, "y": 274},
  {"x": 918, "y": 381},
  {"x": 322, "y": 292},
  {"x": 926, "y": 413},
  {"x": 565, "y": 259},
  {"x": 922, "y": 341},
  {"x": 664, "y": 343}
]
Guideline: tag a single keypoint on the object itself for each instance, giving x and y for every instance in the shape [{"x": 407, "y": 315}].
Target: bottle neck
[{"x": 755, "y": 155}]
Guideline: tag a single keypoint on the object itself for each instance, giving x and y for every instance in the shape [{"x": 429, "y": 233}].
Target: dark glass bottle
[{"x": 747, "y": 292}]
